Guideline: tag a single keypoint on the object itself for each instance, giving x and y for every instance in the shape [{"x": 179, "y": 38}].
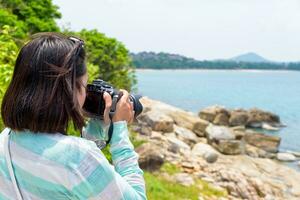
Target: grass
[
  {"x": 159, "y": 188},
  {"x": 170, "y": 168}
]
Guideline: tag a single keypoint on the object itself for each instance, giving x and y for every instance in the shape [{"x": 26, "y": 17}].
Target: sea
[{"x": 193, "y": 90}]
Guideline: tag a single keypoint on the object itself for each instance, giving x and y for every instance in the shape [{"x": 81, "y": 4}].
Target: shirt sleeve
[{"x": 96, "y": 178}]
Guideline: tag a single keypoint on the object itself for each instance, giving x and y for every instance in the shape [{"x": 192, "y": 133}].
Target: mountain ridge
[
  {"x": 249, "y": 57},
  {"x": 162, "y": 60}
]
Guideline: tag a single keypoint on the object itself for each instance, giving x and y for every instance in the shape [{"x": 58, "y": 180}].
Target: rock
[
  {"x": 210, "y": 113},
  {"x": 184, "y": 179},
  {"x": 187, "y": 165},
  {"x": 205, "y": 151},
  {"x": 177, "y": 145},
  {"x": 297, "y": 154},
  {"x": 150, "y": 157},
  {"x": 208, "y": 179},
  {"x": 239, "y": 134},
  {"x": 229, "y": 147},
  {"x": 268, "y": 143},
  {"x": 185, "y": 135},
  {"x": 238, "y": 118},
  {"x": 258, "y": 117},
  {"x": 286, "y": 157},
  {"x": 219, "y": 133},
  {"x": 142, "y": 129},
  {"x": 158, "y": 121},
  {"x": 189, "y": 121},
  {"x": 221, "y": 119},
  {"x": 199, "y": 127},
  {"x": 238, "y": 128},
  {"x": 156, "y": 135},
  {"x": 299, "y": 164},
  {"x": 255, "y": 152},
  {"x": 268, "y": 127}
]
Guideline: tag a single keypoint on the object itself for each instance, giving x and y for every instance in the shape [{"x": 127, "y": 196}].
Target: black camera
[{"x": 94, "y": 103}]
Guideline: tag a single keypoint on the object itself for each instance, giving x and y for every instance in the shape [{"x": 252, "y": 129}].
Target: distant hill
[
  {"x": 249, "y": 57},
  {"x": 152, "y": 60}
]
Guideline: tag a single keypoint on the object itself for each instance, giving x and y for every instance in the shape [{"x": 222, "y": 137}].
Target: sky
[{"x": 201, "y": 29}]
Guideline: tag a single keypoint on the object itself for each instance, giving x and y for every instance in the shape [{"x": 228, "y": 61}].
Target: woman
[{"x": 38, "y": 160}]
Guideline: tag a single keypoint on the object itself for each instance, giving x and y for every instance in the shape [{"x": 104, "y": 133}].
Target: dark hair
[{"x": 41, "y": 96}]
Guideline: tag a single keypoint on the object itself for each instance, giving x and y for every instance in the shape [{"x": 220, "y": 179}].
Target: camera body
[{"x": 94, "y": 103}]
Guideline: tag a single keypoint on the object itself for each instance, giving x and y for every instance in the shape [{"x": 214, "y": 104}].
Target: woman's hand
[{"x": 124, "y": 108}]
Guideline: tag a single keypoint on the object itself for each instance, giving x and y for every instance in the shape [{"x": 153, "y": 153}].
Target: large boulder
[
  {"x": 158, "y": 121},
  {"x": 221, "y": 119},
  {"x": 286, "y": 157},
  {"x": 206, "y": 152},
  {"x": 151, "y": 157},
  {"x": 238, "y": 118},
  {"x": 255, "y": 152},
  {"x": 229, "y": 147},
  {"x": 223, "y": 139},
  {"x": 210, "y": 113},
  {"x": 258, "y": 117},
  {"x": 176, "y": 145},
  {"x": 215, "y": 133},
  {"x": 268, "y": 143},
  {"x": 189, "y": 121},
  {"x": 185, "y": 135}
]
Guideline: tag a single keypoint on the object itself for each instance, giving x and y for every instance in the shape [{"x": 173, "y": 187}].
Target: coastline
[
  {"x": 221, "y": 70},
  {"x": 203, "y": 150}
]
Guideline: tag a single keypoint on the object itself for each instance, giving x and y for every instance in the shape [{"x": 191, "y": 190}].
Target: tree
[
  {"x": 8, "y": 53},
  {"x": 31, "y": 16},
  {"x": 111, "y": 57}
]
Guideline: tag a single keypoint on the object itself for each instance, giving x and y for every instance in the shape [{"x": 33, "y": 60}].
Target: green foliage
[
  {"x": 9, "y": 19},
  {"x": 111, "y": 57},
  {"x": 8, "y": 53},
  {"x": 93, "y": 72},
  {"x": 107, "y": 153},
  {"x": 151, "y": 60},
  {"x": 31, "y": 16}
]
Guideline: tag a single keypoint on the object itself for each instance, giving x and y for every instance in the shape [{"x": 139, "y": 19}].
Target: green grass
[
  {"x": 161, "y": 189},
  {"x": 170, "y": 168}
]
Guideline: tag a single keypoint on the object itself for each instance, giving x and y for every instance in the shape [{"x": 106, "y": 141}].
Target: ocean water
[{"x": 193, "y": 90}]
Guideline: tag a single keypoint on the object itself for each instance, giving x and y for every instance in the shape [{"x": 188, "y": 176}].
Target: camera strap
[
  {"x": 112, "y": 111},
  {"x": 9, "y": 164}
]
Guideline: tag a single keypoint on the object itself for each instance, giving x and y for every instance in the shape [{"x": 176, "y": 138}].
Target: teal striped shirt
[{"x": 56, "y": 166}]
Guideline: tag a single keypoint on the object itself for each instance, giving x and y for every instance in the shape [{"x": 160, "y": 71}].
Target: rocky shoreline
[{"x": 218, "y": 146}]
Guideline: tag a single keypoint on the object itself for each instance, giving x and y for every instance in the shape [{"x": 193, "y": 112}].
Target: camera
[{"x": 94, "y": 103}]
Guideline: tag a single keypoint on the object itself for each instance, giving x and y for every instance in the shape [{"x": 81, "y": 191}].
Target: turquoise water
[{"x": 192, "y": 90}]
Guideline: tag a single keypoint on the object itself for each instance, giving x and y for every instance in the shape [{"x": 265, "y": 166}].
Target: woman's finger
[
  {"x": 108, "y": 102},
  {"x": 125, "y": 96}
]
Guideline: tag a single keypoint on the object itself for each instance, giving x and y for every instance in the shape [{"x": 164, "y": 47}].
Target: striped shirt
[{"x": 56, "y": 166}]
